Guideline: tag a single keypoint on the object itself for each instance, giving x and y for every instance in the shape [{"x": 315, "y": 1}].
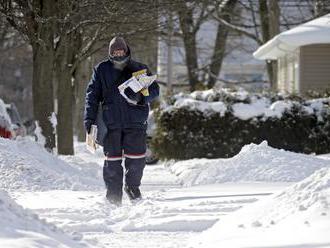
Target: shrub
[{"x": 217, "y": 124}]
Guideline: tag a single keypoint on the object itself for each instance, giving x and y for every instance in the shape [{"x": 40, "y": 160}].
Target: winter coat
[{"x": 116, "y": 111}]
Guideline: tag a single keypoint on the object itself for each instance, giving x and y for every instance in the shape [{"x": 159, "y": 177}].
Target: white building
[{"x": 303, "y": 55}]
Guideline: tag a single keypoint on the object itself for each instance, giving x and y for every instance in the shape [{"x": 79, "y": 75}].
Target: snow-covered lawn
[{"x": 254, "y": 199}]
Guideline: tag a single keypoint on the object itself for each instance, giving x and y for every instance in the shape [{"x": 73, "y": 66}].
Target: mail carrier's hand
[
  {"x": 88, "y": 125},
  {"x": 132, "y": 95}
]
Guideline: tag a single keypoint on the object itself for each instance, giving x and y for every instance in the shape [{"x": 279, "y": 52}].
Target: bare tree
[
  {"x": 34, "y": 20},
  {"x": 224, "y": 11},
  {"x": 52, "y": 29},
  {"x": 191, "y": 15},
  {"x": 269, "y": 20}
]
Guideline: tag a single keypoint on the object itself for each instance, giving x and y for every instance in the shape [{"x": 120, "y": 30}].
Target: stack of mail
[
  {"x": 137, "y": 84},
  {"x": 91, "y": 139}
]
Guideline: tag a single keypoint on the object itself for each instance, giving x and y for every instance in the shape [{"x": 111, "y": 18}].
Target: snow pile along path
[
  {"x": 254, "y": 163},
  {"x": 20, "y": 228},
  {"x": 297, "y": 217},
  {"x": 25, "y": 165}
]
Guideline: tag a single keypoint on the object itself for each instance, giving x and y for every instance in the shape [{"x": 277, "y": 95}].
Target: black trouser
[{"x": 129, "y": 143}]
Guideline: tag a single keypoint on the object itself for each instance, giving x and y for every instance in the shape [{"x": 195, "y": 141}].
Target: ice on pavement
[
  {"x": 299, "y": 216},
  {"x": 253, "y": 163}
]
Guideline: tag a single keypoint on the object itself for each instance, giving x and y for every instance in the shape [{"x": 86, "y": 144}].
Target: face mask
[{"x": 119, "y": 62}]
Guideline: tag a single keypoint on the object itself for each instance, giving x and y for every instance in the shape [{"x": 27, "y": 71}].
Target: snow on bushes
[
  {"x": 217, "y": 124},
  {"x": 297, "y": 217},
  {"x": 253, "y": 163},
  {"x": 25, "y": 165}
]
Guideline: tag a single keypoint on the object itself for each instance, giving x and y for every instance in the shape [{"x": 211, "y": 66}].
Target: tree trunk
[
  {"x": 64, "y": 56},
  {"x": 82, "y": 76},
  {"x": 274, "y": 29},
  {"x": 220, "y": 44},
  {"x": 266, "y": 35},
  {"x": 264, "y": 20},
  {"x": 218, "y": 55},
  {"x": 189, "y": 41},
  {"x": 43, "y": 64},
  {"x": 42, "y": 90}
]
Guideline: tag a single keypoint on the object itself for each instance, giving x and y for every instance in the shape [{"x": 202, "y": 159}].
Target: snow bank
[
  {"x": 297, "y": 217},
  {"x": 21, "y": 228},
  {"x": 25, "y": 165},
  {"x": 253, "y": 163}
]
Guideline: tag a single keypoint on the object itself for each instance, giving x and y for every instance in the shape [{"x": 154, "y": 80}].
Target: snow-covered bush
[{"x": 217, "y": 124}]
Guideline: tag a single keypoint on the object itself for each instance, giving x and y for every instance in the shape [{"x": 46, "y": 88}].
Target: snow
[
  {"x": 168, "y": 216},
  {"x": 38, "y": 133},
  {"x": 219, "y": 107},
  {"x": 22, "y": 228},
  {"x": 299, "y": 216},
  {"x": 53, "y": 121},
  {"x": 68, "y": 192},
  {"x": 249, "y": 107},
  {"x": 316, "y": 31},
  {"x": 262, "y": 107},
  {"x": 5, "y": 121},
  {"x": 254, "y": 163},
  {"x": 246, "y": 111},
  {"x": 25, "y": 165}
]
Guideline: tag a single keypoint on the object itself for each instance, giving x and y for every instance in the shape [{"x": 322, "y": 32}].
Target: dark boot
[
  {"x": 114, "y": 198},
  {"x": 113, "y": 178},
  {"x": 133, "y": 193}
]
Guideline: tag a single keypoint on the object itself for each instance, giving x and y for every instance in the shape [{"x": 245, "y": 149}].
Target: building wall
[
  {"x": 315, "y": 68},
  {"x": 288, "y": 73}
]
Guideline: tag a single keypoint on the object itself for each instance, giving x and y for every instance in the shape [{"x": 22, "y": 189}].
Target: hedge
[{"x": 188, "y": 128}]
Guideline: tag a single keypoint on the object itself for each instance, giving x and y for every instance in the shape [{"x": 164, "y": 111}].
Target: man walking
[{"x": 126, "y": 122}]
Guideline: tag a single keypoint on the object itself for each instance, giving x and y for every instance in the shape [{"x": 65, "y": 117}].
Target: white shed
[{"x": 303, "y": 55}]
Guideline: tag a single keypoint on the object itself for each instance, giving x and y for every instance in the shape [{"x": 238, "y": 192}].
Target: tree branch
[{"x": 238, "y": 29}]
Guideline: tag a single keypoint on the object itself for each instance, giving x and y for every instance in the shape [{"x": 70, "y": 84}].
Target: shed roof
[{"x": 316, "y": 31}]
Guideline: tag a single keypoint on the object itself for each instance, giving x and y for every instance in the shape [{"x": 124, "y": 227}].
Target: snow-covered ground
[
  {"x": 254, "y": 163},
  {"x": 22, "y": 228},
  {"x": 26, "y": 166},
  {"x": 297, "y": 217},
  {"x": 182, "y": 206}
]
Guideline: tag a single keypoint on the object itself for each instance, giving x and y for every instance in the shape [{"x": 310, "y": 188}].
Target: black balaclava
[{"x": 118, "y": 43}]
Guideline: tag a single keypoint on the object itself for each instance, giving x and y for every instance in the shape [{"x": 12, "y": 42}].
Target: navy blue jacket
[{"x": 117, "y": 112}]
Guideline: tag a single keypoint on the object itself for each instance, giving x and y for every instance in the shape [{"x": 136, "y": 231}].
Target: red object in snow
[{"x": 5, "y": 133}]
